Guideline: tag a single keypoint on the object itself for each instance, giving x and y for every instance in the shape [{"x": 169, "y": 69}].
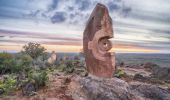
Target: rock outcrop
[{"x": 89, "y": 88}]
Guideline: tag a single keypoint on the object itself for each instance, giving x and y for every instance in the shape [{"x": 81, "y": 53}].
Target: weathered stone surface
[
  {"x": 90, "y": 88},
  {"x": 96, "y": 45},
  {"x": 52, "y": 58}
]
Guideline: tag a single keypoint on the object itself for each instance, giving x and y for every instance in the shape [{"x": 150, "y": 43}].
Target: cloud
[
  {"x": 58, "y": 17},
  {"x": 77, "y": 10},
  {"x": 83, "y": 4},
  {"x": 72, "y": 43},
  {"x": 113, "y": 6},
  {"x": 140, "y": 24},
  {"x": 22, "y": 34},
  {"x": 70, "y": 8},
  {"x": 161, "y": 31},
  {"x": 151, "y": 17},
  {"x": 33, "y": 13},
  {"x": 126, "y": 11},
  {"x": 53, "y": 5},
  {"x": 2, "y": 36}
]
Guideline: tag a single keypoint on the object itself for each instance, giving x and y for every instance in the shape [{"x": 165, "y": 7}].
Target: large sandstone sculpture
[{"x": 96, "y": 45}]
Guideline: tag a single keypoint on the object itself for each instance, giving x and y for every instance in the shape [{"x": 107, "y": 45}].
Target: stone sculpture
[
  {"x": 96, "y": 45},
  {"x": 51, "y": 60}
]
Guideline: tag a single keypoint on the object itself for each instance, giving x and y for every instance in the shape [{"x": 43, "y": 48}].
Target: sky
[{"x": 139, "y": 26}]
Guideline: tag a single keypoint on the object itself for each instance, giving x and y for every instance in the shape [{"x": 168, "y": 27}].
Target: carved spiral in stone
[{"x": 104, "y": 44}]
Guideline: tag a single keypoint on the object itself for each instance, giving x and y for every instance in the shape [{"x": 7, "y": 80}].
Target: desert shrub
[
  {"x": 69, "y": 66},
  {"x": 8, "y": 85},
  {"x": 61, "y": 67},
  {"x": 39, "y": 78},
  {"x": 11, "y": 64},
  {"x": 119, "y": 73},
  {"x": 6, "y": 62},
  {"x": 44, "y": 56},
  {"x": 35, "y": 80},
  {"x": 122, "y": 64},
  {"x": 22, "y": 63},
  {"x": 26, "y": 60},
  {"x": 34, "y": 50},
  {"x": 16, "y": 68},
  {"x": 39, "y": 64},
  {"x": 76, "y": 61},
  {"x": 5, "y": 55}
]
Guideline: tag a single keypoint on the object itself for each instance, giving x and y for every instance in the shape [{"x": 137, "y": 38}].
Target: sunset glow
[{"x": 59, "y": 24}]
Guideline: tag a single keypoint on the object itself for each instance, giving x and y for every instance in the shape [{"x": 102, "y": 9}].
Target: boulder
[
  {"x": 28, "y": 89},
  {"x": 149, "y": 92},
  {"x": 161, "y": 73},
  {"x": 149, "y": 66},
  {"x": 94, "y": 88}
]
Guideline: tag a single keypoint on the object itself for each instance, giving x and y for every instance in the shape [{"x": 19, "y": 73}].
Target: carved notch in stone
[{"x": 96, "y": 45}]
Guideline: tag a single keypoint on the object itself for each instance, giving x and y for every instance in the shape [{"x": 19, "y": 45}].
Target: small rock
[{"x": 29, "y": 89}]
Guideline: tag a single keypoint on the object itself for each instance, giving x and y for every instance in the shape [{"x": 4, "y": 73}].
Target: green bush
[
  {"x": 8, "y": 85},
  {"x": 119, "y": 73},
  {"x": 61, "y": 67},
  {"x": 34, "y": 50},
  {"x": 16, "y": 68},
  {"x": 6, "y": 62},
  {"x": 39, "y": 78},
  {"x": 26, "y": 60}
]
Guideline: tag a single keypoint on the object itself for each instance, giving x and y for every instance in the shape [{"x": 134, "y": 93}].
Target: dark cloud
[
  {"x": 118, "y": 0},
  {"x": 54, "y": 5},
  {"x": 72, "y": 15},
  {"x": 58, "y": 17},
  {"x": 151, "y": 16},
  {"x": 33, "y": 13},
  {"x": 126, "y": 11},
  {"x": 44, "y": 15},
  {"x": 78, "y": 18},
  {"x": 35, "y": 35},
  {"x": 65, "y": 42},
  {"x": 83, "y": 4},
  {"x": 2, "y": 36},
  {"x": 162, "y": 31},
  {"x": 46, "y": 38},
  {"x": 113, "y": 6},
  {"x": 118, "y": 7},
  {"x": 70, "y": 8}
]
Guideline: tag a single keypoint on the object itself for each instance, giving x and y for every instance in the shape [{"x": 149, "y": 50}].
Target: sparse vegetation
[
  {"x": 8, "y": 85},
  {"x": 119, "y": 73},
  {"x": 34, "y": 50},
  {"x": 18, "y": 70},
  {"x": 28, "y": 70}
]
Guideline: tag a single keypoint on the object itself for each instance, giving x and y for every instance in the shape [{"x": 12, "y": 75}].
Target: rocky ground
[{"x": 135, "y": 84}]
